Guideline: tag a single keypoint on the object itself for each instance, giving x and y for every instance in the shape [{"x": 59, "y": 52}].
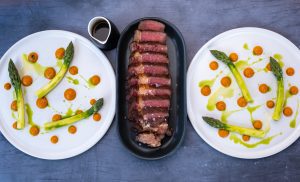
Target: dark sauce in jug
[{"x": 100, "y": 31}]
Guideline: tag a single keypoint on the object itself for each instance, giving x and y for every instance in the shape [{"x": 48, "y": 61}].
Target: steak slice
[
  {"x": 141, "y": 104},
  {"x": 148, "y": 70},
  {"x": 151, "y": 26},
  {"x": 150, "y": 93},
  {"x": 148, "y": 58},
  {"x": 153, "y": 116},
  {"x": 158, "y": 129},
  {"x": 149, "y": 139},
  {"x": 151, "y": 81},
  {"x": 146, "y": 47},
  {"x": 148, "y": 36}
]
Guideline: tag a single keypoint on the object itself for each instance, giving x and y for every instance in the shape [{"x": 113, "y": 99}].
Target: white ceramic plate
[
  {"x": 236, "y": 41},
  {"x": 90, "y": 61}
]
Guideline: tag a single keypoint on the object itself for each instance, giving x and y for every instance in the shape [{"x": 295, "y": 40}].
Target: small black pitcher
[{"x": 103, "y": 33}]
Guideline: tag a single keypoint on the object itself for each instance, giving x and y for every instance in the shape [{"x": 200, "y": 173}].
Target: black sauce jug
[{"x": 103, "y": 33}]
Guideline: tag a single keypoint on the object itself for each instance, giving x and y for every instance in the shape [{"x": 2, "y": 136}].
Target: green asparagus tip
[{"x": 214, "y": 122}]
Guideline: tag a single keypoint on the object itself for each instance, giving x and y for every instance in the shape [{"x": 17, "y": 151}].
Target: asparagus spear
[
  {"x": 277, "y": 71},
  {"x": 59, "y": 76},
  {"x": 16, "y": 82},
  {"x": 225, "y": 59},
  {"x": 245, "y": 131},
  {"x": 67, "y": 121}
]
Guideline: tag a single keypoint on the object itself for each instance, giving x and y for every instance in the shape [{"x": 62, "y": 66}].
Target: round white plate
[
  {"x": 90, "y": 61},
  {"x": 234, "y": 41}
]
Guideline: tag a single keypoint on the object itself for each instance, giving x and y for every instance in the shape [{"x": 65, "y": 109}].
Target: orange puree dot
[
  {"x": 34, "y": 130},
  {"x": 257, "y": 50},
  {"x": 246, "y": 138},
  {"x": 214, "y": 65},
  {"x": 248, "y": 72},
  {"x": 221, "y": 106},
  {"x": 96, "y": 117},
  {"x": 242, "y": 102},
  {"x": 233, "y": 57},
  {"x": 270, "y": 104},
  {"x": 223, "y": 133},
  {"x": 205, "y": 90},
  {"x": 72, "y": 129},
  {"x": 226, "y": 81}
]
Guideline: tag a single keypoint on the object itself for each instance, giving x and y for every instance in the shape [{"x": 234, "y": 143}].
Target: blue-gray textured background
[{"x": 108, "y": 160}]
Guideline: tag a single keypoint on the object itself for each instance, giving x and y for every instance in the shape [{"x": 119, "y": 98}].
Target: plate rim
[
  {"x": 98, "y": 135},
  {"x": 261, "y": 154}
]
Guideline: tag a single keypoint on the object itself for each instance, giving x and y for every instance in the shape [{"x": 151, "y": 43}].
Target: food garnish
[
  {"x": 7, "y": 86},
  {"x": 13, "y": 105},
  {"x": 233, "y": 57},
  {"x": 270, "y": 104},
  {"x": 73, "y": 70},
  {"x": 223, "y": 133},
  {"x": 72, "y": 129},
  {"x": 54, "y": 139},
  {"x": 59, "y": 76},
  {"x": 221, "y": 106},
  {"x": 213, "y": 65},
  {"x": 290, "y": 71},
  {"x": 277, "y": 71},
  {"x": 205, "y": 90},
  {"x": 248, "y": 72},
  {"x": 242, "y": 102},
  {"x": 34, "y": 130},
  {"x": 257, "y": 124},
  {"x": 16, "y": 82},
  {"x": 14, "y": 125},
  {"x": 264, "y": 88},
  {"x": 77, "y": 117},
  {"x": 70, "y": 94},
  {"x": 56, "y": 117},
  {"x": 59, "y": 53},
  {"x": 49, "y": 73},
  {"x": 225, "y": 59},
  {"x": 257, "y": 50},
  {"x": 294, "y": 90},
  {"x": 27, "y": 80},
  {"x": 96, "y": 117},
  {"x": 288, "y": 111},
  {"x": 246, "y": 138},
  {"x": 42, "y": 102},
  {"x": 33, "y": 57},
  {"x": 92, "y": 101},
  {"x": 226, "y": 81},
  {"x": 268, "y": 67},
  {"x": 95, "y": 80},
  {"x": 241, "y": 130}
]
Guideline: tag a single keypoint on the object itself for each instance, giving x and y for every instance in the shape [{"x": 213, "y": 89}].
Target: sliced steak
[
  {"x": 151, "y": 26},
  {"x": 148, "y": 36},
  {"x": 146, "y": 47},
  {"x": 149, "y": 83}
]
